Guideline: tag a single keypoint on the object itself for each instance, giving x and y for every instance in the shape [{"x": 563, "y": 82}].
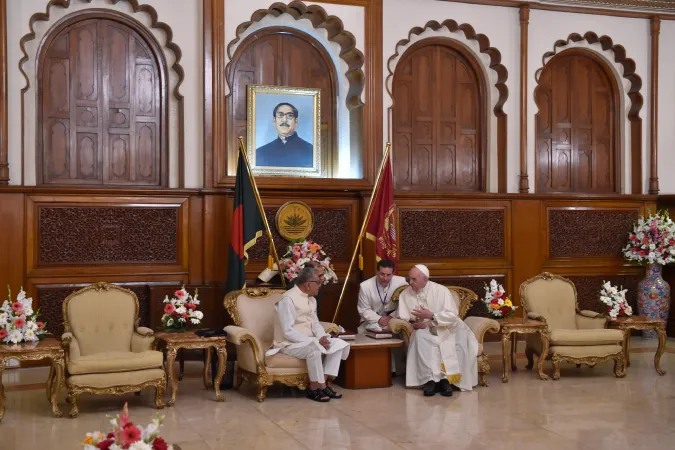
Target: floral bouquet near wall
[
  {"x": 614, "y": 300},
  {"x": 652, "y": 240},
  {"x": 497, "y": 302},
  {"x": 18, "y": 321},
  {"x": 126, "y": 435},
  {"x": 180, "y": 312},
  {"x": 299, "y": 254}
]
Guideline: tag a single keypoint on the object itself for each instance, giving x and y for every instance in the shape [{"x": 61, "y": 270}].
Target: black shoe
[
  {"x": 430, "y": 388},
  {"x": 445, "y": 388},
  {"x": 318, "y": 395},
  {"x": 331, "y": 393}
]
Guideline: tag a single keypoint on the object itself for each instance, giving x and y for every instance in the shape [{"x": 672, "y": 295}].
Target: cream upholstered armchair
[
  {"x": 464, "y": 298},
  {"x": 106, "y": 351},
  {"x": 252, "y": 311},
  {"x": 575, "y": 336}
]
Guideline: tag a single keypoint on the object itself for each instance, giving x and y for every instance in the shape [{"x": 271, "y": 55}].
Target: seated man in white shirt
[
  {"x": 298, "y": 333},
  {"x": 374, "y": 305}
]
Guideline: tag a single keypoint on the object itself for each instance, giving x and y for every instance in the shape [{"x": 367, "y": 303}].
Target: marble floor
[{"x": 586, "y": 409}]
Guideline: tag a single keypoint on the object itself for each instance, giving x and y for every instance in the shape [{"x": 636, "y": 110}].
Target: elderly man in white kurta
[
  {"x": 443, "y": 350},
  {"x": 298, "y": 333},
  {"x": 374, "y": 305}
]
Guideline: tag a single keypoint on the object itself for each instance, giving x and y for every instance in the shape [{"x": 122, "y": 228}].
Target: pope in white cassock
[
  {"x": 443, "y": 350},
  {"x": 298, "y": 333},
  {"x": 374, "y": 305}
]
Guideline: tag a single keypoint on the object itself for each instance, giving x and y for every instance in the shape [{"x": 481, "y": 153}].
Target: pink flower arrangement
[
  {"x": 299, "y": 254},
  {"x": 180, "y": 312},
  {"x": 18, "y": 321},
  {"x": 127, "y": 435},
  {"x": 652, "y": 240}
]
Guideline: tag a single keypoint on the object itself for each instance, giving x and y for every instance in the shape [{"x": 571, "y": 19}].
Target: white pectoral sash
[{"x": 449, "y": 359}]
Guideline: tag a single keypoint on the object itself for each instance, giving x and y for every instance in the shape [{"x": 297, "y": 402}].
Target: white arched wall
[
  {"x": 350, "y": 163},
  {"x": 546, "y": 27},
  {"x": 490, "y": 77},
  {"x": 172, "y": 12}
]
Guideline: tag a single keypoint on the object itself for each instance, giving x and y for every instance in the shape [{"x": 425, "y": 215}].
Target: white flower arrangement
[
  {"x": 652, "y": 240},
  {"x": 614, "y": 299},
  {"x": 18, "y": 321},
  {"x": 299, "y": 254},
  {"x": 496, "y": 300},
  {"x": 180, "y": 312}
]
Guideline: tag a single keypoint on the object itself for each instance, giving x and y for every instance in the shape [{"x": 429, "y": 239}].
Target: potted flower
[
  {"x": 299, "y": 254},
  {"x": 497, "y": 302},
  {"x": 614, "y": 301},
  {"x": 180, "y": 312},
  {"x": 652, "y": 243},
  {"x": 18, "y": 321}
]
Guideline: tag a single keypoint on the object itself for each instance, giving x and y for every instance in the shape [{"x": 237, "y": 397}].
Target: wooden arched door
[
  {"x": 101, "y": 104},
  {"x": 438, "y": 119},
  {"x": 577, "y": 133}
]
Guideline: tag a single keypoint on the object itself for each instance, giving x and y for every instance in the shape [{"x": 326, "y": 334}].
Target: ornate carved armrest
[
  {"x": 402, "y": 328},
  {"x": 330, "y": 328},
  {"x": 142, "y": 340},
  {"x": 70, "y": 346},
  {"x": 590, "y": 320},
  {"x": 536, "y": 316},
  {"x": 482, "y": 325},
  {"x": 239, "y": 336}
]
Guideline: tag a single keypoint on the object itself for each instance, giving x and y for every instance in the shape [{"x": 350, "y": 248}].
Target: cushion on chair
[
  {"x": 105, "y": 380},
  {"x": 257, "y": 315},
  {"x": 115, "y": 362},
  {"x": 281, "y": 360},
  {"x": 555, "y": 300},
  {"x": 586, "y": 337},
  {"x": 597, "y": 351}
]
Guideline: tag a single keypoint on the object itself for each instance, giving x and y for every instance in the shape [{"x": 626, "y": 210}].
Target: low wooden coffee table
[
  {"x": 34, "y": 351},
  {"x": 523, "y": 326},
  {"x": 626, "y": 324},
  {"x": 369, "y": 363},
  {"x": 189, "y": 340}
]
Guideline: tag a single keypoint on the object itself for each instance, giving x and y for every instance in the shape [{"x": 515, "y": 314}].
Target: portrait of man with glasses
[{"x": 288, "y": 149}]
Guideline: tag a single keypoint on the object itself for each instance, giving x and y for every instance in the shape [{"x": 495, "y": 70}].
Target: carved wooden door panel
[
  {"x": 437, "y": 122},
  {"x": 100, "y": 108},
  {"x": 284, "y": 59},
  {"x": 576, "y": 127}
]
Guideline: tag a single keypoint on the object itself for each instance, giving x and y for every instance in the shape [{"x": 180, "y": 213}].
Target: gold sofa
[
  {"x": 578, "y": 337},
  {"x": 464, "y": 298},
  {"x": 252, "y": 311},
  {"x": 106, "y": 351}
]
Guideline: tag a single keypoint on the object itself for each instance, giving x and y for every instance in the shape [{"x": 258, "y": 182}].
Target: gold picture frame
[{"x": 284, "y": 131}]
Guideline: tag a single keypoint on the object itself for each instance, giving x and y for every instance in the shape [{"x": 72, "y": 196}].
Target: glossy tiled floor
[{"x": 586, "y": 409}]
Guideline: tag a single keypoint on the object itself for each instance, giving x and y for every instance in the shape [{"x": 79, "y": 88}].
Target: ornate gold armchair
[
  {"x": 106, "y": 351},
  {"x": 252, "y": 310},
  {"x": 479, "y": 325},
  {"x": 578, "y": 337}
]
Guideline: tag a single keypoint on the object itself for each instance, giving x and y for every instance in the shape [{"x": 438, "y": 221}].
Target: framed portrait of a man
[{"x": 284, "y": 130}]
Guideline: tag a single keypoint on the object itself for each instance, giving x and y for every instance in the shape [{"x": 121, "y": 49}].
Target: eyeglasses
[
  {"x": 289, "y": 115},
  {"x": 314, "y": 281}
]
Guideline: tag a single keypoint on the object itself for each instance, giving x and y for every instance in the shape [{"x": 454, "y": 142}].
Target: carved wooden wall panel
[
  {"x": 101, "y": 111},
  {"x": 574, "y": 233},
  {"x": 452, "y": 233},
  {"x": 283, "y": 56},
  {"x": 588, "y": 289},
  {"x": 90, "y": 235},
  {"x": 438, "y": 116},
  {"x": 576, "y": 129}
]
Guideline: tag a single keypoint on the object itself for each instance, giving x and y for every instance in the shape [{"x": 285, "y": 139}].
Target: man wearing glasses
[
  {"x": 298, "y": 333},
  {"x": 289, "y": 149}
]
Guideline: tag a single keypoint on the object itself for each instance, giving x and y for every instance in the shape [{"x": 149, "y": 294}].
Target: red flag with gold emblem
[{"x": 381, "y": 227}]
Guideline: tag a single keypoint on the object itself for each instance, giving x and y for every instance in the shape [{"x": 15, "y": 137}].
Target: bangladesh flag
[{"x": 247, "y": 227}]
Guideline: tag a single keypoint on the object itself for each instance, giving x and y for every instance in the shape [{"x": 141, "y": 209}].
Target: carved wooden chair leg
[
  {"x": 620, "y": 366},
  {"x": 262, "y": 393},
  {"x": 74, "y": 411},
  {"x": 556, "y": 367},
  {"x": 50, "y": 383},
  {"x": 529, "y": 353},
  {"x": 159, "y": 395}
]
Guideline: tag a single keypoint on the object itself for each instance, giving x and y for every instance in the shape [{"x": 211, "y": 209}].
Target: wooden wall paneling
[
  {"x": 215, "y": 84},
  {"x": 373, "y": 145},
  {"x": 524, "y": 185},
  {"x": 196, "y": 240},
  {"x": 526, "y": 242},
  {"x": 217, "y": 224},
  {"x": 106, "y": 235},
  {"x": 654, "y": 108},
  {"x": 4, "y": 150},
  {"x": 12, "y": 243}
]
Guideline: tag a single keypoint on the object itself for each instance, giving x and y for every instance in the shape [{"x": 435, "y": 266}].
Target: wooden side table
[
  {"x": 369, "y": 363},
  {"x": 626, "y": 324},
  {"x": 523, "y": 326},
  {"x": 34, "y": 351},
  {"x": 189, "y": 340}
]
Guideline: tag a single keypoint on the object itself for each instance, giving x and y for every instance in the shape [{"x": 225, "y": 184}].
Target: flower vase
[{"x": 653, "y": 297}]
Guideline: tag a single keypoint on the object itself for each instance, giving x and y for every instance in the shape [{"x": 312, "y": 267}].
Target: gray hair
[{"x": 306, "y": 274}]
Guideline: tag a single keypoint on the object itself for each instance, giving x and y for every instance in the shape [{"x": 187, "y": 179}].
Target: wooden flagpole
[
  {"x": 376, "y": 188},
  {"x": 242, "y": 151}
]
